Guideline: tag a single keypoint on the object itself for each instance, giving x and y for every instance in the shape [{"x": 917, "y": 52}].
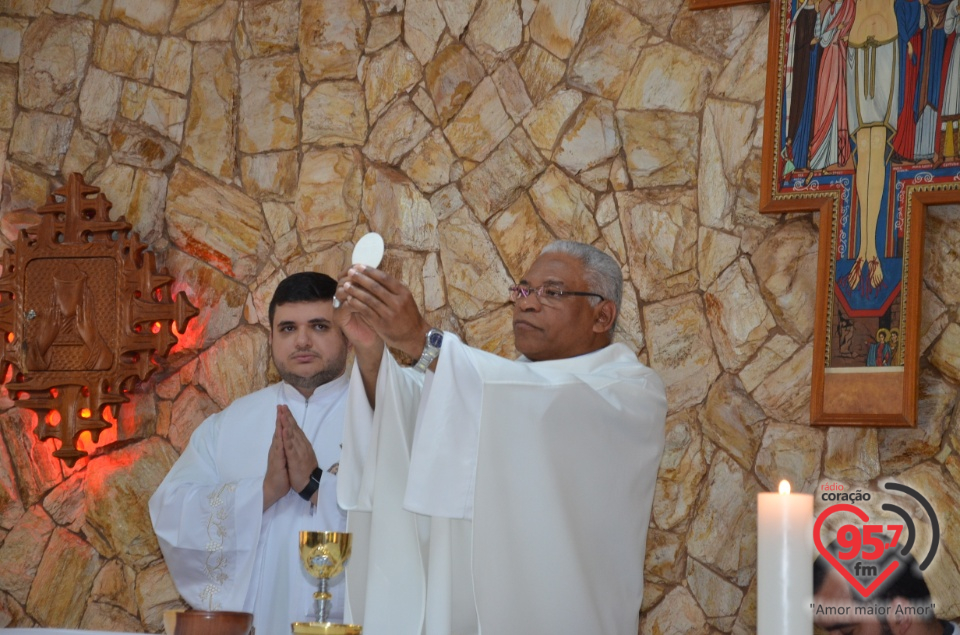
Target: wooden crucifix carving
[
  {"x": 863, "y": 104},
  {"x": 862, "y": 123}
]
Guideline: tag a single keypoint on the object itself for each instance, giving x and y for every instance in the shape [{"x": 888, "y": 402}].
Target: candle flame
[{"x": 784, "y": 487}]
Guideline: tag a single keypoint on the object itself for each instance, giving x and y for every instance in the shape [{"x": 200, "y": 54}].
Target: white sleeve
[{"x": 208, "y": 530}]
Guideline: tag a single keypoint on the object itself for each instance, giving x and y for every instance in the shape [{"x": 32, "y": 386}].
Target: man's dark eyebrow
[
  {"x": 314, "y": 321},
  {"x": 554, "y": 281}
]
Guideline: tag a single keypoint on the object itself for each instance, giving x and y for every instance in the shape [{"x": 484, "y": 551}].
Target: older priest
[
  {"x": 229, "y": 512},
  {"x": 497, "y": 496}
]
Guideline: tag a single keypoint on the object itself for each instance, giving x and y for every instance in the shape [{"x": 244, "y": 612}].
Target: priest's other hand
[
  {"x": 276, "y": 483},
  {"x": 387, "y": 306},
  {"x": 301, "y": 459},
  {"x": 366, "y": 343}
]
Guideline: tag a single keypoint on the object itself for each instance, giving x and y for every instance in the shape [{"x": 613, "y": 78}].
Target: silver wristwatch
[{"x": 431, "y": 350}]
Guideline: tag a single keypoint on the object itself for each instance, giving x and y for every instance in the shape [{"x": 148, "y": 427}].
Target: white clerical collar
[{"x": 289, "y": 394}]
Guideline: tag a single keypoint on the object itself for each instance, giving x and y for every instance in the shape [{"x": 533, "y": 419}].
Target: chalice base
[{"x": 325, "y": 628}]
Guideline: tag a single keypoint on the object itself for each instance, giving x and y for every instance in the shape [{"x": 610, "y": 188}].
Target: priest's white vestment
[
  {"x": 223, "y": 551},
  {"x": 501, "y": 497}
]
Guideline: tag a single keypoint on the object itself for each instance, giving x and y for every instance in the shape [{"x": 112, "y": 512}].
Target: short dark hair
[
  {"x": 906, "y": 581},
  {"x": 306, "y": 286}
]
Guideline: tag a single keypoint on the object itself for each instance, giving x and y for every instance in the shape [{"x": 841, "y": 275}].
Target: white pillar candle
[{"x": 784, "y": 563}]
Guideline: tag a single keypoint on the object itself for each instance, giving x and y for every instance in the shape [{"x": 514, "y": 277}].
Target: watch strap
[{"x": 313, "y": 485}]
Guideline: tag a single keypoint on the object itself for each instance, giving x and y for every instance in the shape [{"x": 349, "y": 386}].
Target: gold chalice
[{"x": 323, "y": 554}]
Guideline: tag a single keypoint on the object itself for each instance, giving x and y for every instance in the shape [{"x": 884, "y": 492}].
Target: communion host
[
  {"x": 229, "y": 513},
  {"x": 497, "y": 496}
]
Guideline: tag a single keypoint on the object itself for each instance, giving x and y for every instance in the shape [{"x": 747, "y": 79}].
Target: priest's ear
[{"x": 604, "y": 317}]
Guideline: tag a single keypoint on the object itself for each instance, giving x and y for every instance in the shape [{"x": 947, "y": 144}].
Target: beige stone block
[
  {"x": 933, "y": 318},
  {"x": 511, "y": 90},
  {"x": 139, "y": 146},
  {"x": 724, "y": 146},
  {"x": 740, "y": 320},
  {"x": 11, "y": 39},
  {"x": 541, "y": 71},
  {"x": 127, "y": 52},
  {"x": 88, "y": 8},
  {"x": 936, "y": 400},
  {"x": 215, "y": 223},
  {"x": 771, "y": 356},
  {"x": 271, "y": 26},
  {"x": 8, "y": 96},
  {"x": 519, "y": 235},
  {"x": 328, "y": 196},
  {"x": 101, "y": 616},
  {"x": 495, "y": 31},
  {"x": 156, "y": 593},
  {"x": 698, "y": 29},
  {"x": 666, "y": 557},
  {"x": 496, "y": 182},
  {"x": 220, "y": 26},
  {"x": 661, "y": 148},
  {"x": 556, "y": 25},
  {"x": 565, "y": 206},
  {"x": 53, "y": 57},
  {"x": 785, "y": 393},
  {"x": 493, "y": 333},
  {"x": 100, "y": 99},
  {"x": 334, "y": 113},
  {"x": 480, "y": 125},
  {"x": 660, "y": 15},
  {"x": 669, "y": 77},
  {"x": 159, "y": 109},
  {"x": 209, "y": 140},
  {"x": 189, "y": 411},
  {"x": 851, "y": 454},
  {"x": 608, "y": 50},
  {"x": 723, "y": 535},
  {"x": 591, "y": 137},
  {"x": 269, "y": 101},
  {"x": 716, "y": 250},
  {"x": 786, "y": 266},
  {"x": 114, "y": 585},
  {"x": 383, "y": 30},
  {"x": 940, "y": 252},
  {"x": 457, "y": 14},
  {"x": 384, "y": 7},
  {"x": 190, "y": 12},
  {"x": 451, "y": 77},
  {"x": 422, "y": 26},
  {"x": 716, "y": 596},
  {"x": 732, "y": 420},
  {"x": 22, "y": 550},
  {"x": 331, "y": 38},
  {"x": 62, "y": 584},
  {"x": 398, "y": 131},
  {"x": 399, "y": 212},
  {"x": 744, "y": 77},
  {"x": 681, "y": 349},
  {"x": 40, "y": 140},
  {"x": 619, "y": 176},
  {"x": 235, "y": 365},
  {"x": 434, "y": 285},
  {"x": 270, "y": 175},
  {"x": 219, "y": 298},
  {"x": 793, "y": 453},
  {"x": 550, "y": 116},
  {"x": 677, "y": 613},
  {"x": 430, "y": 163},
  {"x": 152, "y": 17},
  {"x": 660, "y": 231},
  {"x": 26, "y": 8},
  {"x": 386, "y": 74},
  {"x": 23, "y": 189},
  {"x": 87, "y": 154},
  {"x": 682, "y": 468},
  {"x": 172, "y": 67}
]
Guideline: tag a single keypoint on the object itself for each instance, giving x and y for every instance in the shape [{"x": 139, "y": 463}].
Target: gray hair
[{"x": 601, "y": 271}]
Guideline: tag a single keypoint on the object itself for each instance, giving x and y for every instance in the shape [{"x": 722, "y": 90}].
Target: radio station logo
[{"x": 867, "y": 552}]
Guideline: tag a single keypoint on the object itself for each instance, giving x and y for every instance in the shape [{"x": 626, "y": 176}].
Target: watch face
[{"x": 435, "y": 338}]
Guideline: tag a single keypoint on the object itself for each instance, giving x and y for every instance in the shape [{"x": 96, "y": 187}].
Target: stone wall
[{"x": 249, "y": 139}]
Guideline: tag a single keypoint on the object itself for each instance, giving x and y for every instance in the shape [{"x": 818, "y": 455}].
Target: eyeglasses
[{"x": 548, "y": 295}]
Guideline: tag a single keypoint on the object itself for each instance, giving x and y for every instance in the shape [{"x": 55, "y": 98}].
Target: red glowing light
[
  {"x": 85, "y": 413},
  {"x": 155, "y": 328},
  {"x": 10, "y": 338},
  {"x": 52, "y": 418}
]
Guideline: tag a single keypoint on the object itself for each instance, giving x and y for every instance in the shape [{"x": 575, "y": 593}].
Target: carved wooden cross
[{"x": 862, "y": 123}]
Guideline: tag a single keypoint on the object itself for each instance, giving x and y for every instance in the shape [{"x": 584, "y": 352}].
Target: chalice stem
[{"x": 323, "y": 598}]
